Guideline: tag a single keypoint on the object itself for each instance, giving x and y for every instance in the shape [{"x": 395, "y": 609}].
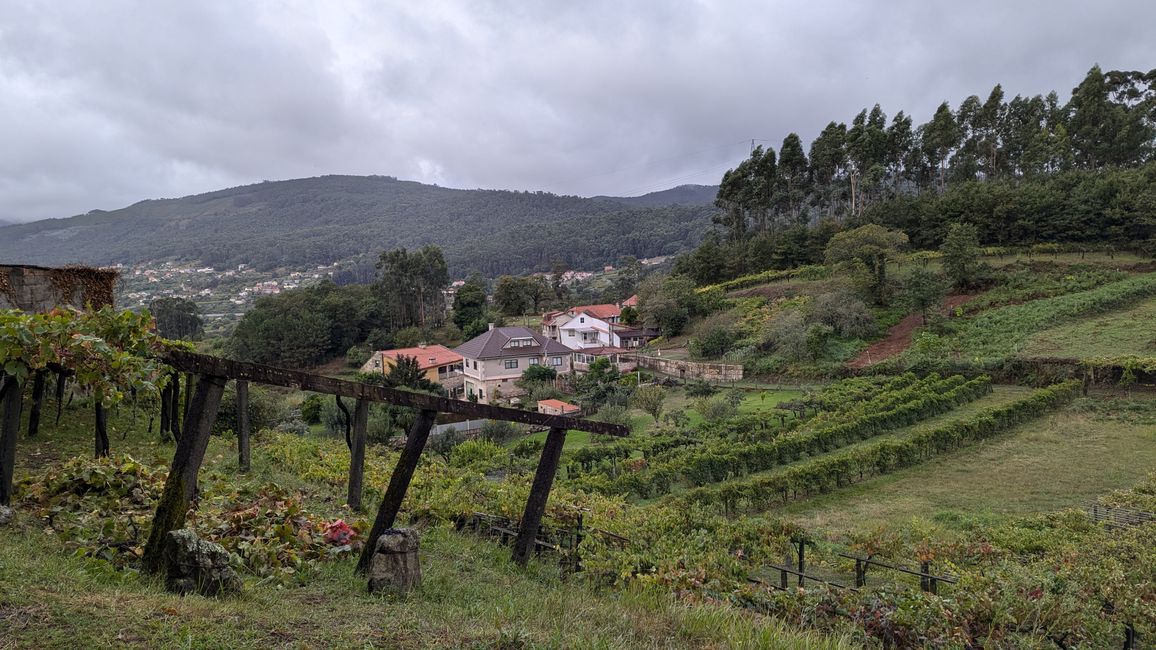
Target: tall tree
[
  {"x": 900, "y": 142},
  {"x": 510, "y": 296},
  {"x": 177, "y": 318},
  {"x": 940, "y": 138},
  {"x": 793, "y": 176},
  {"x": 828, "y": 162},
  {"x": 961, "y": 255},
  {"x": 411, "y": 285},
  {"x": 469, "y": 302},
  {"x": 1093, "y": 123}
]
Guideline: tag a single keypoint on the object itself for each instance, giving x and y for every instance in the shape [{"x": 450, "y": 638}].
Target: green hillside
[{"x": 325, "y": 219}]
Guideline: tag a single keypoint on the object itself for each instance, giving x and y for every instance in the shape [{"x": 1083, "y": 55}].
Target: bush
[
  {"x": 713, "y": 337},
  {"x": 357, "y": 355},
  {"x": 444, "y": 443},
  {"x": 499, "y": 431},
  {"x": 787, "y": 336},
  {"x": 266, "y": 409},
  {"x": 294, "y": 426},
  {"x": 845, "y": 313},
  {"x": 817, "y": 336},
  {"x": 528, "y": 448},
  {"x": 614, "y": 414},
  {"x": 311, "y": 408},
  {"x": 700, "y": 388},
  {"x": 479, "y": 455},
  {"x": 383, "y": 424},
  {"x": 715, "y": 409}
]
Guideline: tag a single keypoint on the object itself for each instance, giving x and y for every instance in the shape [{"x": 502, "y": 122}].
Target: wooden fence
[{"x": 205, "y": 379}]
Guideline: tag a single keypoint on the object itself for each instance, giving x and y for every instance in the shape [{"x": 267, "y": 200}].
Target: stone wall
[
  {"x": 717, "y": 372},
  {"x": 39, "y": 289}
]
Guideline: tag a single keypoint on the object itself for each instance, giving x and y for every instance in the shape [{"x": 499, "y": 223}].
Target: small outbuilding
[{"x": 557, "y": 407}]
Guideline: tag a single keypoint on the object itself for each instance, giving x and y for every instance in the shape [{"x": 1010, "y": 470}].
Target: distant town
[{"x": 223, "y": 296}]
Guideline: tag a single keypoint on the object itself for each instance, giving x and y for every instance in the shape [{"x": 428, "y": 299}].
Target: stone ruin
[{"x": 42, "y": 289}]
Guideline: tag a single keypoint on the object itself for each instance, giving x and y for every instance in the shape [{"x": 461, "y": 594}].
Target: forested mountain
[
  {"x": 681, "y": 195},
  {"x": 325, "y": 219}
]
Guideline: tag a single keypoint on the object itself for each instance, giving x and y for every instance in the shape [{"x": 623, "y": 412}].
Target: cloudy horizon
[{"x": 108, "y": 104}]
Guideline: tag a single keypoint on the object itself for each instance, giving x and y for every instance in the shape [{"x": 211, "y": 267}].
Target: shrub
[
  {"x": 845, "y": 313},
  {"x": 528, "y": 448},
  {"x": 700, "y": 388},
  {"x": 786, "y": 335},
  {"x": 649, "y": 399},
  {"x": 293, "y": 426},
  {"x": 383, "y": 424},
  {"x": 311, "y": 408},
  {"x": 357, "y": 355},
  {"x": 480, "y": 455},
  {"x": 715, "y": 409},
  {"x": 266, "y": 409},
  {"x": 499, "y": 431},
  {"x": 614, "y": 414},
  {"x": 713, "y": 337},
  {"x": 816, "y": 342},
  {"x": 444, "y": 443}
]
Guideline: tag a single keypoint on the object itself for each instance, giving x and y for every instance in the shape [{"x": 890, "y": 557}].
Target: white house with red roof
[{"x": 584, "y": 329}]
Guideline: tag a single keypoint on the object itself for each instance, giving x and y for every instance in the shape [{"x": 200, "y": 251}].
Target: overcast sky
[{"x": 106, "y": 103}]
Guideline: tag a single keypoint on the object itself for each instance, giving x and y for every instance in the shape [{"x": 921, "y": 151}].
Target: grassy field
[
  {"x": 472, "y": 596},
  {"x": 1060, "y": 461},
  {"x": 1118, "y": 333}
]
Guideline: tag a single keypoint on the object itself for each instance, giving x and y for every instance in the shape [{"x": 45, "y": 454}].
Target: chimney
[{"x": 491, "y": 326}]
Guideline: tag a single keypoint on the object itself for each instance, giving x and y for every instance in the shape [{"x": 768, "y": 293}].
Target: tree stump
[
  {"x": 396, "y": 564},
  {"x": 193, "y": 565}
]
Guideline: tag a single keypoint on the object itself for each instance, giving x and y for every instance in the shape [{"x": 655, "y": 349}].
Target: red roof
[
  {"x": 632, "y": 301},
  {"x": 431, "y": 356},
  {"x": 602, "y": 312},
  {"x": 557, "y": 405}
]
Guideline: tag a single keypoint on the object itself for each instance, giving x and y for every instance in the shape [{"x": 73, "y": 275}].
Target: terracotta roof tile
[{"x": 431, "y": 356}]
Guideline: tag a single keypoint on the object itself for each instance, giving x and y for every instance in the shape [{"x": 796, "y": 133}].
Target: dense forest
[
  {"x": 326, "y": 219},
  {"x": 1024, "y": 171}
]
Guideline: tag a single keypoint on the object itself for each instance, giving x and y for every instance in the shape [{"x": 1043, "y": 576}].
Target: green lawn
[
  {"x": 1127, "y": 331},
  {"x": 1059, "y": 461}
]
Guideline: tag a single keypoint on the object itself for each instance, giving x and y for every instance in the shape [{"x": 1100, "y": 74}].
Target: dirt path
[{"x": 899, "y": 337}]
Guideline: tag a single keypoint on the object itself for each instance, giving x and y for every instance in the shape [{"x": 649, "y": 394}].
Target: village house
[
  {"x": 496, "y": 359},
  {"x": 599, "y": 327},
  {"x": 439, "y": 363},
  {"x": 557, "y": 407}
]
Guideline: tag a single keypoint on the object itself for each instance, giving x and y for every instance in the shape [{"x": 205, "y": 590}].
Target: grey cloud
[{"x": 108, "y": 103}]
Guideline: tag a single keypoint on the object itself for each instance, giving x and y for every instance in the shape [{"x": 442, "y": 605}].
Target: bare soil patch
[{"x": 899, "y": 337}]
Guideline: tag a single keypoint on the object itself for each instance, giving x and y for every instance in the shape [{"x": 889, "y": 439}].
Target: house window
[
  {"x": 475, "y": 365},
  {"x": 555, "y": 361},
  {"x": 511, "y": 364},
  {"x": 582, "y": 320},
  {"x": 534, "y": 361}
]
